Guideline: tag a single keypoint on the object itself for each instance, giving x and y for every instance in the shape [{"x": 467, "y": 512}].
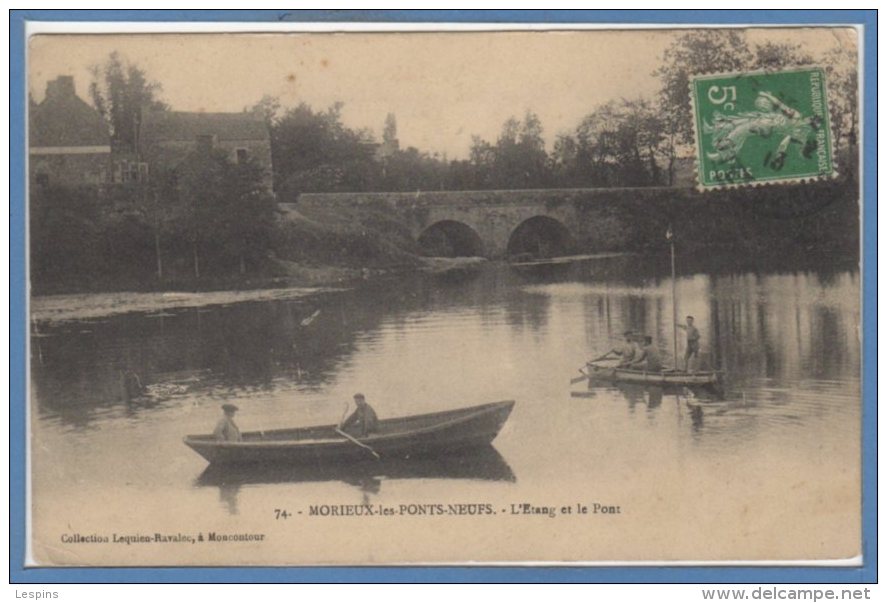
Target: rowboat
[
  {"x": 402, "y": 437},
  {"x": 663, "y": 377}
]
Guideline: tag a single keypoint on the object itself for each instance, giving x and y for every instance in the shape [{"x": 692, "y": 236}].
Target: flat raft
[
  {"x": 664, "y": 377},
  {"x": 402, "y": 437}
]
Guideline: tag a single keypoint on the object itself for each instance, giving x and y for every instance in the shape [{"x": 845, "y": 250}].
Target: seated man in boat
[
  {"x": 363, "y": 421},
  {"x": 226, "y": 429},
  {"x": 627, "y": 351},
  {"x": 649, "y": 358}
]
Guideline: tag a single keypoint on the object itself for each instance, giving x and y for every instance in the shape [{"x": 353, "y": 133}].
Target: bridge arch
[
  {"x": 450, "y": 238},
  {"x": 540, "y": 237}
]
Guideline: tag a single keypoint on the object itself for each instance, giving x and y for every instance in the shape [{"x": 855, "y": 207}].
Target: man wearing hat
[
  {"x": 226, "y": 428},
  {"x": 363, "y": 421}
]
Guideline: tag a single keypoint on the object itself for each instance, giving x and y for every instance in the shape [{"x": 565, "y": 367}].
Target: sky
[{"x": 443, "y": 87}]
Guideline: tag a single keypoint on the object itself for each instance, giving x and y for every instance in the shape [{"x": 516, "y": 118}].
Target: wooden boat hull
[
  {"x": 665, "y": 377},
  {"x": 418, "y": 435}
]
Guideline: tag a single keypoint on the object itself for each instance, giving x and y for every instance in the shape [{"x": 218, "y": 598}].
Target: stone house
[
  {"x": 167, "y": 138},
  {"x": 68, "y": 140}
]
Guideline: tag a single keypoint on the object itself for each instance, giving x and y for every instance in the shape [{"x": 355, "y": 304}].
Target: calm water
[{"x": 680, "y": 465}]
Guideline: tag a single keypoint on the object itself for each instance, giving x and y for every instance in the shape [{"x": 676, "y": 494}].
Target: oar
[
  {"x": 355, "y": 441},
  {"x": 349, "y": 437},
  {"x": 604, "y": 357},
  {"x": 584, "y": 376}
]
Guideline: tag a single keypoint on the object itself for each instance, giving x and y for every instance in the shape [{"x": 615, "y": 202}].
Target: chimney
[{"x": 60, "y": 87}]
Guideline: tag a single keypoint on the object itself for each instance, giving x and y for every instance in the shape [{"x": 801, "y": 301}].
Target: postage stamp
[{"x": 761, "y": 127}]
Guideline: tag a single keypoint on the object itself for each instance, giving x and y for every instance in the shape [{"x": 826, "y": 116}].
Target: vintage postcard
[{"x": 353, "y": 298}]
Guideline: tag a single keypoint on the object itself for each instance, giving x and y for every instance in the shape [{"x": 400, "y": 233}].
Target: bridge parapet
[
  {"x": 592, "y": 217},
  {"x": 485, "y": 197},
  {"x": 617, "y": 219}
]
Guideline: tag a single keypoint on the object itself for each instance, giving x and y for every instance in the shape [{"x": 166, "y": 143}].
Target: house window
[{"x": 242, "y": 156}]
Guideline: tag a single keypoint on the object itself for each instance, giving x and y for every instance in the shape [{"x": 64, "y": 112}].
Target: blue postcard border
[{"x": 867, "y": 573}]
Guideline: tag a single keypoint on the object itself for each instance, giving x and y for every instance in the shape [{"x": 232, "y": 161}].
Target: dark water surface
[{"x": 679, "y": 464}]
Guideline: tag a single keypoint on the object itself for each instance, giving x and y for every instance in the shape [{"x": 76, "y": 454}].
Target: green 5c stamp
[{"x": 761, "y": 127}]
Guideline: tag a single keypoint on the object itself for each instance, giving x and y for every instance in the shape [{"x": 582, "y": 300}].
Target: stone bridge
[{"x": 497, "y": 224}]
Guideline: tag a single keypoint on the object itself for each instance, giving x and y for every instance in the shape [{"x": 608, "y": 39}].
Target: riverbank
[
  {"x": 86, "y": 306},
  {"x": 292, "y": 280},
  {"x": 300, "y": 282}
]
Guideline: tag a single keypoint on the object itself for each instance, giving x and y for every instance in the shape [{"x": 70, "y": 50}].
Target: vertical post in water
[{"x": 674, "y": 297}]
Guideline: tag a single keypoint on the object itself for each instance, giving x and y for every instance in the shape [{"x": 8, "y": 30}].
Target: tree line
[
  {"x": 215, "y": 217},
  {"x": 621, "y": 143}
]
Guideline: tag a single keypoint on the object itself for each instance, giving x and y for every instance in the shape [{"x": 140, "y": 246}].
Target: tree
[
  {"x": 641, "y": 140},
  {"x": 460, "y": 175},
  {"x": 120, "y": 92},
  {"x": 267, "y": 109},
  {"x": 389, "y": 133},
  {"x": 620, "y": 143},
  {"x": 842, "y": 78},
  {"x": 564, "y": 161},
  {"x": 596, "y": 149},
  {"x": 314, "y": 151},
  {"x": 245, "y": 213},
  {"x": 507, "y": 168},
  {"x": 65, "y": 237},
  {"x": 224, "y": 211},
  {"x": 532, "y": 156},
  {"x": 86, "y": 235},
  {"x": 482, "y": 156},
  {"x": 693, "y": 52},
  {"x": 199, "y": 179},
  {"x": 517, "y": 160},
  {"x": 774, "y": 56}
]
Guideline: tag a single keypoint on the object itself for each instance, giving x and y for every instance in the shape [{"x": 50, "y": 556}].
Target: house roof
[
  {"x": 65, "y": 120},
  {"x": 161, "y": 126}
]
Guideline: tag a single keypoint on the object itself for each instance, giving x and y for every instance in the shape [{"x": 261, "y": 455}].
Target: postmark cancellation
[{"x": 761, "y": 127}]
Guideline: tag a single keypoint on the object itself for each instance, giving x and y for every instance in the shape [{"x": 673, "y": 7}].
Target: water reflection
[
  {"x": 788, "y": 341},
  {"x": 697, "y": 416},
  {"x": 651, "y": 397},
  {"x": 786, "y": 326},
  {"x": 484, "y": 464}
]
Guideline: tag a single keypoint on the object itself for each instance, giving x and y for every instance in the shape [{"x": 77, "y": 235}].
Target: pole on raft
[{"x": 674, "y": 298}]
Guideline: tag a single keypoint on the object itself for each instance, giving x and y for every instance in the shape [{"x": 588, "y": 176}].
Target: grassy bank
[{"x": 305, "y": 250}]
